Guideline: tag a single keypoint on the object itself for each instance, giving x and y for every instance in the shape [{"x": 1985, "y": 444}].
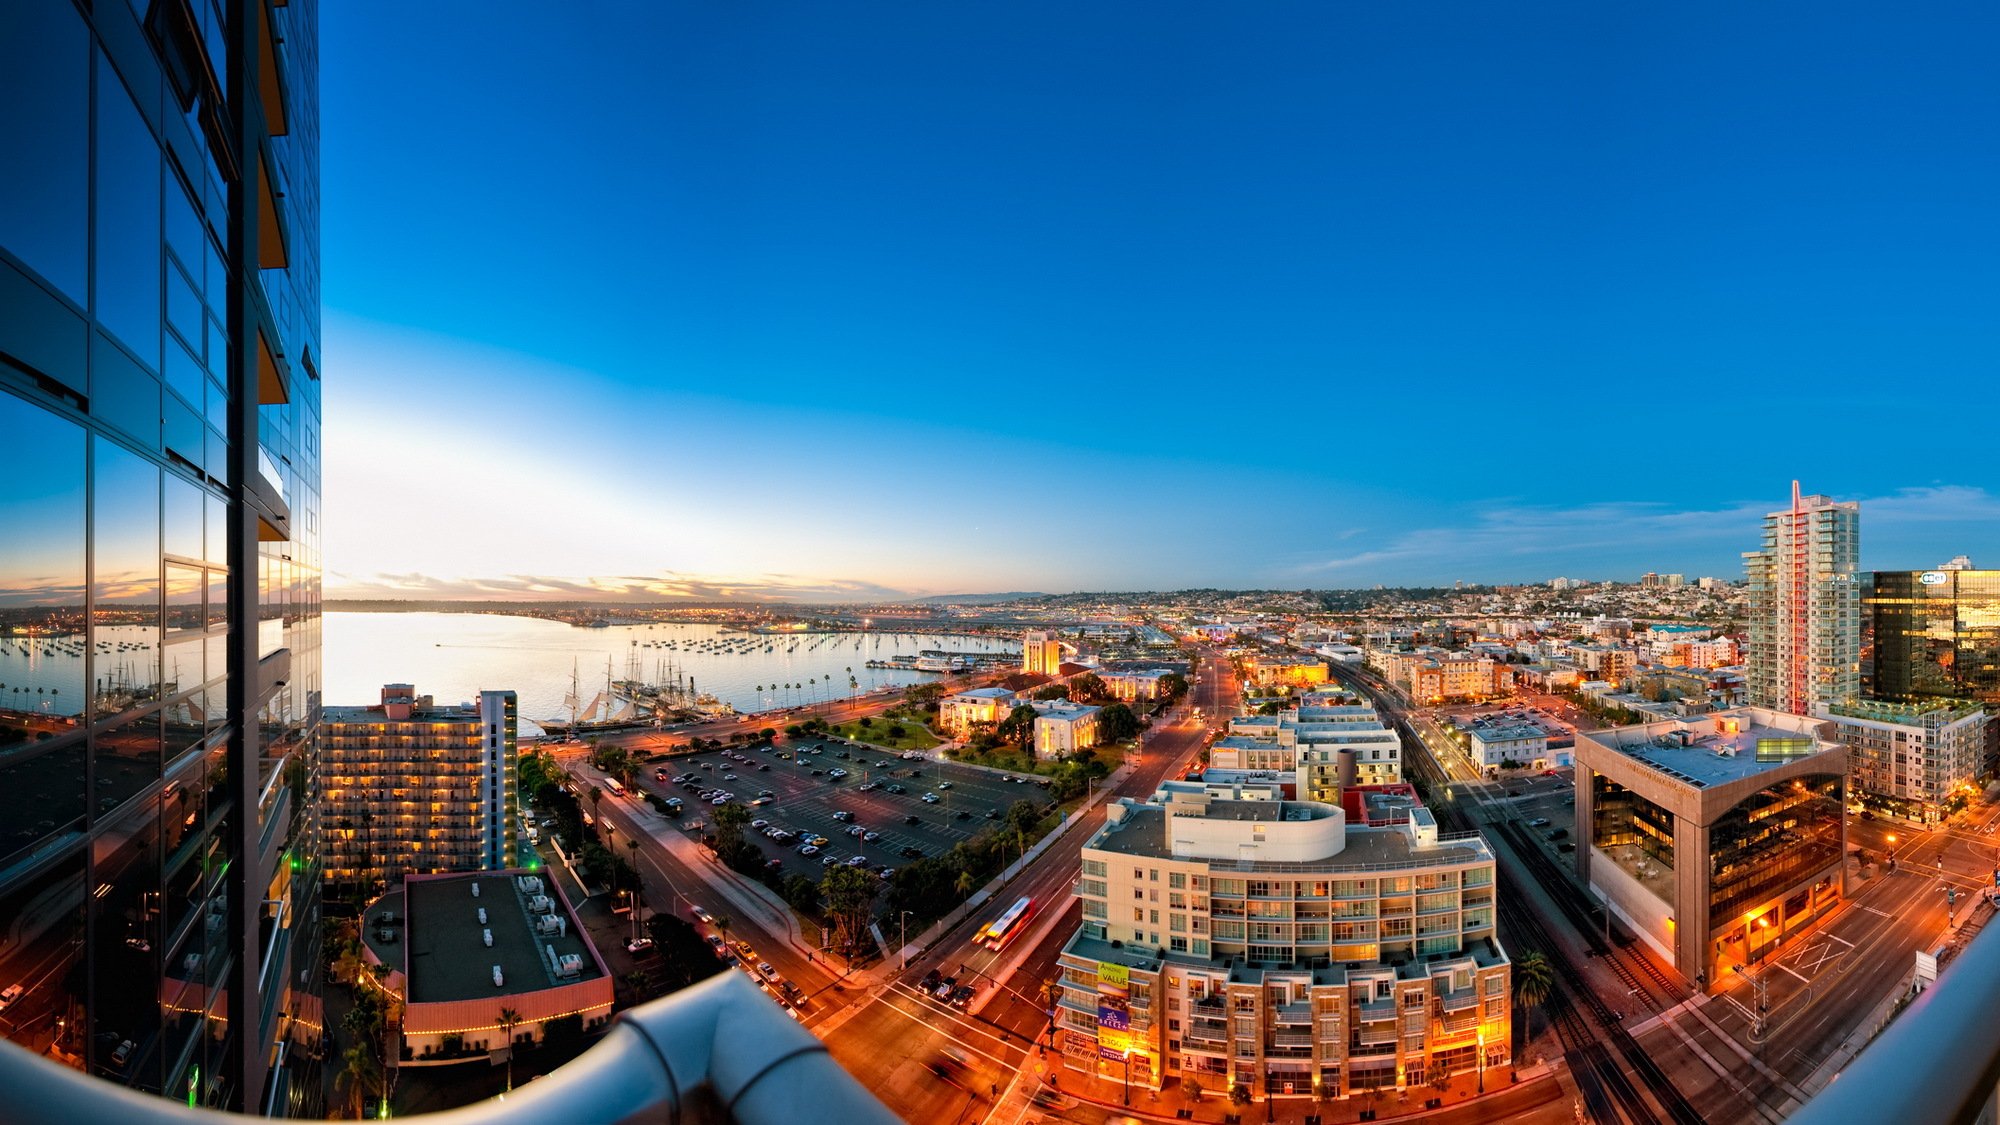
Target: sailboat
[{"x": 606, "y": 711}]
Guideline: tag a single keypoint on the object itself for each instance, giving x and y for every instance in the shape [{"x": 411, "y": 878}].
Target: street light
[
  {"x": 903, "y": 923},
  {"x": 1128, "y": 1078},
  {"x": 1482, "y": 1060}
]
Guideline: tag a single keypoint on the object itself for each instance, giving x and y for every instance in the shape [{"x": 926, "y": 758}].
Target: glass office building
[
  {"x": 159, "y": 545},
  {"x": 1932, "y": 634}
]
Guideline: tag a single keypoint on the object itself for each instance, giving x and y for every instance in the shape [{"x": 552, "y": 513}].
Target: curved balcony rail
[
  {"x": 717, "y": 1052},
  {"x": 1938, "y": 1063}
]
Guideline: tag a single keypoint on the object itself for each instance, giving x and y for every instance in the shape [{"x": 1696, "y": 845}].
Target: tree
[
  {"x": 1271, "y": 708},
  {"x": 850, "y": 901},
  {"x": 730, "y": 820},
  {"x": 1534, "y": 983},
  {"x": 1023, "y": 817},
  {"x": 1052, "y": 691},
  {"x": 1192, "y": 1087},
  {"x": 361, "y": 1076},
  {"x": 1089, "y": 688},
  {"x": 1173, "y": 685},
  {"x": 508, "y": 1021},
  {"x": 1019, "y": 726},
  {"x": 923, "y": 695},
  {"x": 1116, "y": 723},
  {"x": 1239, "y": 1095},
  {"x": 964, "y": 884}
]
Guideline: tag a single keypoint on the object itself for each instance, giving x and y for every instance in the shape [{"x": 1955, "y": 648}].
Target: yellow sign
[{"x": 1108, "y": 973}]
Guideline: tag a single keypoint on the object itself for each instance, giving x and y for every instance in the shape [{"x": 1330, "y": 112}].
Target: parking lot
[{"x": 805, "y": 798}]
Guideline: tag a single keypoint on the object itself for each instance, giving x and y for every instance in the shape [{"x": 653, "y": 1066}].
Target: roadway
[{"x": 890, "y": 1042}]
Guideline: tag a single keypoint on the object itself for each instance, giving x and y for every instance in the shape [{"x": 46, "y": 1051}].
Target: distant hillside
[{"x": 979, "y": 599}]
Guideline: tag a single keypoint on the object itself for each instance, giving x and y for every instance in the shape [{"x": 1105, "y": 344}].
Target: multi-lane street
[{"x": 880, "y": 1024}]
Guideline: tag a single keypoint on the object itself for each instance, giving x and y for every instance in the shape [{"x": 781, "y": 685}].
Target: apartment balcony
[
  {"x": 1300, "y": 1039},
  {"x": 658, "y": 1063},
  {"x": 1292, "y": 1013}
]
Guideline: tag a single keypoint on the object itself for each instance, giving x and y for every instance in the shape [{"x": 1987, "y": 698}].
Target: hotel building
[
  {"x": 160, "y": 573},
  {"x": 1269, "y": 944},
  {"x": 413, "y": 788},
  {"x": 1805, "y": 606},
  {"x": 1717, "y": 838}
]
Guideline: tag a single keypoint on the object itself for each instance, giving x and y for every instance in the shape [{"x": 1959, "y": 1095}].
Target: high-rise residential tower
[
  {"x": 413, "y": 788},
  {"x": 159, "y": 545},
  {"x": 1805, "y": 606}
]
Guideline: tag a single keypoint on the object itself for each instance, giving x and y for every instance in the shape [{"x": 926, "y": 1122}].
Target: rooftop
[
  {"x": 1717, "y": 748},
  {"x": 445, "y": 946},
  {"x": 985, "y": 693},
  {"x": 1143, "y": 832},
  {"x": 1508, "y": 732},
  {"x": 1907, "y": 714}
]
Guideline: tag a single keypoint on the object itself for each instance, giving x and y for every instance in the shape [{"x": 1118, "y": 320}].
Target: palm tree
[
  {"x": 1534, "y": 983},
  {"x": 360, "y": 1076},
  {"x": 509, "y": 1020},
  {"x": 964, "y": 884}
]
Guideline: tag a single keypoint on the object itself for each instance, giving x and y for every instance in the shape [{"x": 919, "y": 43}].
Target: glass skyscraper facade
[
  {"x": 1932, "y": 634},
  {"x": 159, "y": 545}
]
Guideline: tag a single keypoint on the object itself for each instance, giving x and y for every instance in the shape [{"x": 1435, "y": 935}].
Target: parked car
[
  {"x": 1559, "y": 834},
  {"x": 911, "y": 853},
  {"x": 14, "y": 992},
  {"x": 944, "y": 785},
  {"x": 844, "y": 816},
  {"x": 913, "y": 819},
  {"x": 1539, "y": 822},
  {"x": 870, "y": 837},
  {"x": 930, "y": 798},
  {"x": 638, "y": 944},
  {"x": 809, "y": 850}
]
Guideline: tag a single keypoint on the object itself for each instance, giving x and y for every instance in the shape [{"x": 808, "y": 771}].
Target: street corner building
[
  {"x": 1270, "y": 944},
  {"x": 160, "y": 545},
  {"x": 1718, "y": 838}
]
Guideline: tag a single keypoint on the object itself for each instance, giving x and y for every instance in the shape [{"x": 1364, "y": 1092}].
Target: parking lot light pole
[{"x": 903, "y": 921}]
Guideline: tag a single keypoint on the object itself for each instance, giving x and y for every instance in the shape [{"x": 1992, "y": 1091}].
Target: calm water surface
[{"x": 453, "y": 656}]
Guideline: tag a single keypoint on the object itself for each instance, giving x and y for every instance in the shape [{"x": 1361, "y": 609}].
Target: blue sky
[{"x": 839, "y": 300}]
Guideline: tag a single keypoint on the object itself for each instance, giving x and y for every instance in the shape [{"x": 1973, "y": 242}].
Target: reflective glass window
[
  {"x": 127, "y": 758},
  {"x": 127, "y": 266},
  {"x": 183, "y": 509},
  {"x": 125, "y": 956},
  {"x": 218, "y": 599},
  {"x": 41, "y": 574},
  {"x": 125, "y": 525},
  {"x": 218, "y": 529},
  {"x": 44, "y": 130},
  {"x": 185, "y": 587}
]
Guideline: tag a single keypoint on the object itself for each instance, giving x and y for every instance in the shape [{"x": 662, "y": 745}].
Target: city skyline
[{"x": 1483, "y": 297}]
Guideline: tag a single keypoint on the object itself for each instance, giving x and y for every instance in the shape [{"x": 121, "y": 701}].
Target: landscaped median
[{"x": 890, "y": 732}]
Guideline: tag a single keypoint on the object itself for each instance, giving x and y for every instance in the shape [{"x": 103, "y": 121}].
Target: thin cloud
[
  {"x": 661, "y": 587},
  {"x": 1513, "y": 542}
]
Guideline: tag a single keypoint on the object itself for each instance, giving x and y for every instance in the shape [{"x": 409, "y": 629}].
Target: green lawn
[{"x": 914, "y": 737}]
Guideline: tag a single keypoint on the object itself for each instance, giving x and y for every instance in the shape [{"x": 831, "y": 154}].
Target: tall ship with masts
[{"x": 608, "y": 710}]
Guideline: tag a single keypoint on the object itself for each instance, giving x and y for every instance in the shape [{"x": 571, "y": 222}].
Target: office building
[
  {"x": 160, "y": 578},
  {"x": 959, "y": 714},
  {"x": 1271, "y": 944},
  {"x": 1062, "y": 728},
  {"x": 1917, "y": 761},
  {"x": 1134, "y": 686},
  {"x": 413, "y": 788},
  {"x": 1932, "y": 634},
  {"x": 459, "y": 949},
  {"x": 1716, "y": 838},
  {"x": 1041, "y": 654},
  {"x": 1805, "y": 606}
]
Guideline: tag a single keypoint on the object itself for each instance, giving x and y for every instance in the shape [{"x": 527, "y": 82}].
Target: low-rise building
[
  {"x": 1914, "y": 761},
  {"x": 1718, "y": 838},
  {"x": 462, "y": 949},
  {"x": 1063, "y": 728},
  {"x": 1525, "y": 744},
  {"x": 1271, "y": 945},
  {"x": 1273, "y": 671},
  {"x": 1134, "y": 686},
  {"x": 958, "y": 714}
]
